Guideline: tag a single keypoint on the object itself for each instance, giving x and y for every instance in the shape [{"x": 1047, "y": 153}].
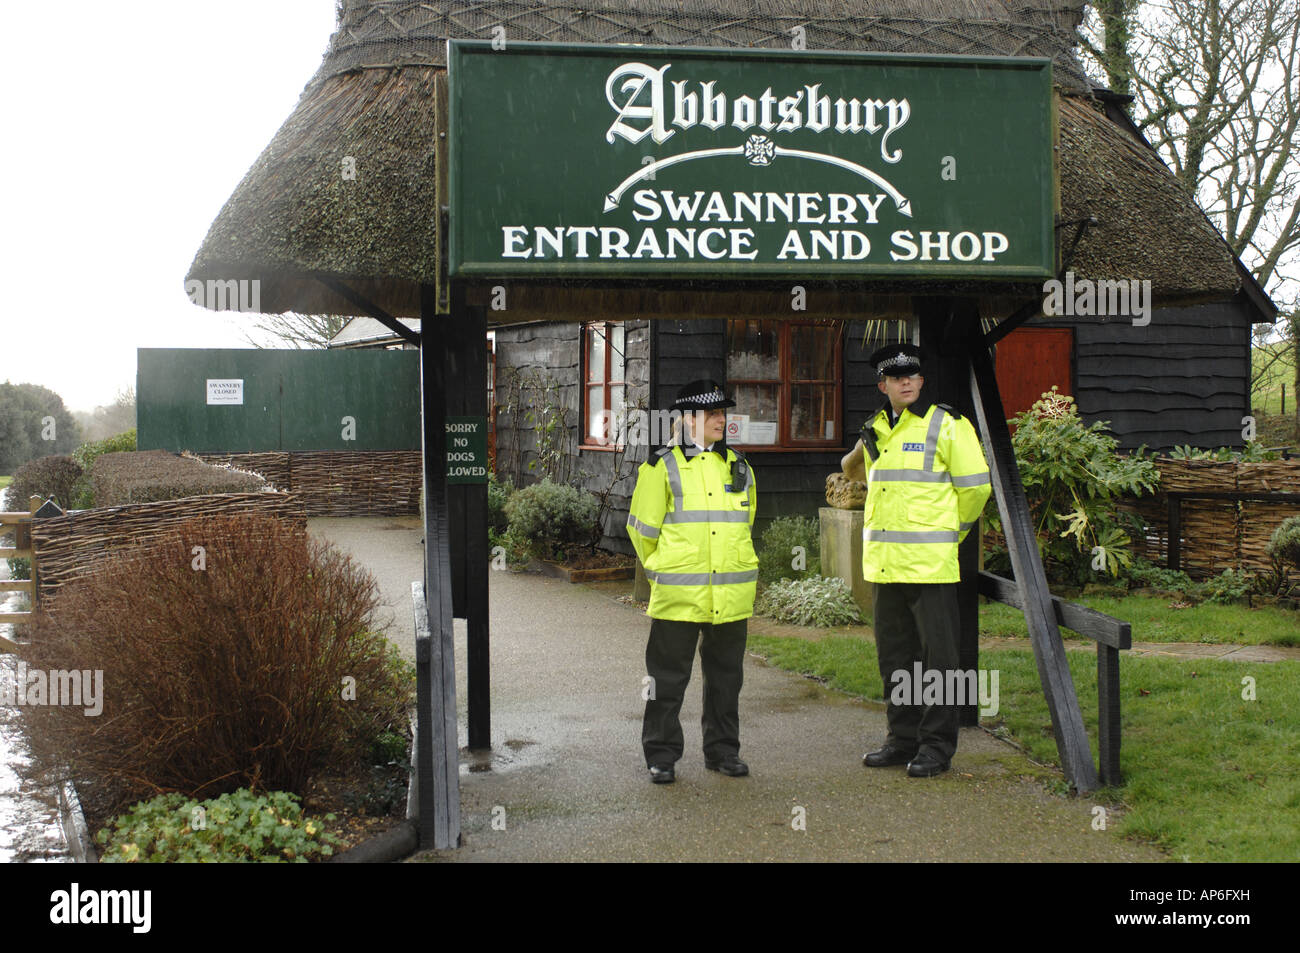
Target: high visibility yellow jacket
[
  {"x": 693, "y": 534},
  {"x": 926, "y": 488}
]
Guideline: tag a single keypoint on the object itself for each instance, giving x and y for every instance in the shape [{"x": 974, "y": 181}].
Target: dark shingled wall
[{"x": 1182, "y": 379}]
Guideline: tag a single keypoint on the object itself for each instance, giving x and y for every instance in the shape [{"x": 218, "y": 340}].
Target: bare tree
[
  {"x": 1217, "y": 93},
  {"x": 303, "y": 331}
]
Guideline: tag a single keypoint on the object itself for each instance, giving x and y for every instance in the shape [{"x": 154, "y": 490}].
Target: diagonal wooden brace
[{"x": 1027, "y": 565}]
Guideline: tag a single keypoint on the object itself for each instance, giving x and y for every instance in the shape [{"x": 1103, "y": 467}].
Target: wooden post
[
  {"x": 1022, "y": 544},
  {"x": 439, "y": 751},
  {"x": 1108, "y": 716},
  {"x": 465, "y": 339},
  {"x": 948, "y": 329}
]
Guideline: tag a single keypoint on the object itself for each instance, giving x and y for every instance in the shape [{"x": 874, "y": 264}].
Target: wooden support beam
[
  {"x": 16, "y": 585},
  {"x": 440, "y": 668},
  {"x": 8, "y": 646},
  {"x": 465, "y": 353},
  {"x": 1026, "y": 563},
  {"x": 1101, "y": 628}
]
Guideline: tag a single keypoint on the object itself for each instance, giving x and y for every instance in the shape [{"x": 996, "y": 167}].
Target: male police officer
[
  {"x": 927, "y": 483},
  {"x": 690, "y": 521}
]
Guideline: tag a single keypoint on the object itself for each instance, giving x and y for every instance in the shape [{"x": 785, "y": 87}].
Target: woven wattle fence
[
  {"x": 339, "y": 483},
  {"x": 1217, "y": 534},
  {"x": 80, "y": 543}
]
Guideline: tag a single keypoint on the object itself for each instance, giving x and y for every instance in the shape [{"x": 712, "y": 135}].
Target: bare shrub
[{"x": 215, "y": 678}]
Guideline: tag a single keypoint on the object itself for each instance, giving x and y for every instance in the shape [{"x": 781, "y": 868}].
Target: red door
[{"x": 1029, "y": 362}]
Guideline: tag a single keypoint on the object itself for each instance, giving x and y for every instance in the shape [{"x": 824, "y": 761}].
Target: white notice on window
[
  {"x": 737, "y": 424},
  {"x": 761, "y": 431},
  {"x": 225, "y": 391}
]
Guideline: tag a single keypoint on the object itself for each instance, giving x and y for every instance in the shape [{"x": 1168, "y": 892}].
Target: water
[{"x": 29, "y": 816}]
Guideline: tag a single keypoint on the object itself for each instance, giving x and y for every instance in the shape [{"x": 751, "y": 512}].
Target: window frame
[
  {"x": 606, "y": 384},
  {"x": 785, "y": 362}
]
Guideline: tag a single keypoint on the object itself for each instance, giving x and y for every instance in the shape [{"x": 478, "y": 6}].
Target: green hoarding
[
  {"x": 239, "y": 400},
  {"x": 628, "y": 161}
]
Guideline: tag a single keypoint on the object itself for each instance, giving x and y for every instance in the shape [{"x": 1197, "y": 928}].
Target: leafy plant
[
  {"x": 1073, "y": 478},
  {"x": 83, "y": 496},
  {"x": 549, "y": 515},
  {"x": 817, "y": 600},
  {"x": 1226, "y": 588},
  {"x": 498, "y": 496},
  {"x": 235, "y": 827},
  {"x": 783, "y": 541},
  {"x": 1144, "y": 574}
]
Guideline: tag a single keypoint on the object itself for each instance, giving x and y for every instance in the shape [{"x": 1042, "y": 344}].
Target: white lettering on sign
[
  {"x": 638, "y": 95},
  {"x": 225, "y": 391}
]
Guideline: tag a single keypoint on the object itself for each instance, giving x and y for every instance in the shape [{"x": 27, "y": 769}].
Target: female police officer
[{"x": 690, "y": 521}]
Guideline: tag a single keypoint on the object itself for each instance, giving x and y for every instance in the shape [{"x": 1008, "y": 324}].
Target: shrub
[
  {"x": 817, "y": 600},
  {"x": 44, "y": 477},
  {"x": 778, "y": 549},
  {"x": 238, "y": 827},
  {"x": 87, "y": 454},
  {"x": 253, "y": 668},
  {"x": 1073, "y": 476},
  {"x": 150, "y": 475},
  {"x": 1142, "y": 573},
  {"x": 498, "y": 496},
  {"x": 1228, "y": 587},
  {"x": 1284, "y": 544},
  {"x": 550, "y": 515}
]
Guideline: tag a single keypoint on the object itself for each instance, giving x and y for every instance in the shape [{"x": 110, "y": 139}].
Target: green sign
[
  {"x": 632, "y": 161},
  {"x": 467, "y": 458}
]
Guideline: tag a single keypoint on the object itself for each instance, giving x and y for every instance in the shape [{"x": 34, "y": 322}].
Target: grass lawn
[
  {"x": 1267, "y": 396},
  {"x": 5, "y": 481},
  {"x": 1208, "y": 776},
  {"x": 1154, "y": 621}
]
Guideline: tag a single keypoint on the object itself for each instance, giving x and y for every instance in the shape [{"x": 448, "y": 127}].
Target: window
[
  {"x": 604, "y": 391},
  {"x": 783, "y": 377}
]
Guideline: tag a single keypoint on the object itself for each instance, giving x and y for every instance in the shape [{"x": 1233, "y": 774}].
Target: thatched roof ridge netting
[{"x": 407, "y": 33}]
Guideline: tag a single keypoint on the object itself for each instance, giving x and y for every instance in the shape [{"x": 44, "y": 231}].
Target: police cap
[
  {"x": 897, "y": 360},
  {"x": 702, "y": 395}
]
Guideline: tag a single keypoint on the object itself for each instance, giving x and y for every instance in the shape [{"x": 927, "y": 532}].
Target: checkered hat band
[
  {"x": 716, "y": 396},
  {"x": 902, "y": 360}
]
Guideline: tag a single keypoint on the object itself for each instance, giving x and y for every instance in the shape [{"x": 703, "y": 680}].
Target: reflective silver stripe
[
  {"x": 932, "y": 436},
  {"x": 700, "y": 578},
  {"x": 645, "y": 529},
  {"x": 966, "y": 526},
  {"x": 975, "y": 479},
  {"x": 674, "y": 478},
  {"x": 707, "y": 516},
  {"x": 909, "y": 476},
  {"x": 908, "y": 536}
]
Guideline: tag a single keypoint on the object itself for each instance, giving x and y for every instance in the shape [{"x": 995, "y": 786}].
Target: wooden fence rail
[{"x": 21, "y": 521}]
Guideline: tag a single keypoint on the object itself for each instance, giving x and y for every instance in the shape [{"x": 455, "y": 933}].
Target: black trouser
[
  {"x": 918, "y": 622},
  {"x": 669, "y": 656}
]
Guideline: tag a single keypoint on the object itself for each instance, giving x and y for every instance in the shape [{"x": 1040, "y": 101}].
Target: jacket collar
[
  {"x": 919, "y": 407},
  {"x": 719, "y": 447}
]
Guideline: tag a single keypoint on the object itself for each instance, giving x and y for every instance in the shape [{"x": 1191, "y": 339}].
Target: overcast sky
[{"x": 127, "y": 126}]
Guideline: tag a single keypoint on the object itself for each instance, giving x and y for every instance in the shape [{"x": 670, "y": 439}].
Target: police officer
[
  {"x": 927, "y": 483},
  {"x": 691, "y": 520}
]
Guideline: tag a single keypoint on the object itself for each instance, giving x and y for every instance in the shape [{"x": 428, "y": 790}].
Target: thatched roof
[{"x": 296, "y": 219}]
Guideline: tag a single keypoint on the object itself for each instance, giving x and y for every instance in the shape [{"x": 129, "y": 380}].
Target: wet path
[{"x": 29, "y": 817}]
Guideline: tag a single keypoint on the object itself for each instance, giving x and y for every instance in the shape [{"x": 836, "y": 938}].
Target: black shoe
[
  {"x": 731, "y": 766},
  {"x": 926, "y": 766},
  {"x": 886, "y": 756},
  {"x": 662, "y": 774}
]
